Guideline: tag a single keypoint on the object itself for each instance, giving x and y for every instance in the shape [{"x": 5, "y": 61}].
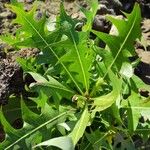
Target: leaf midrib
[
  {"x": 37, "y": 128},
  {"x": 76, "y": 137},
  {"x": 122, "y": 45},
  {"x": 55, "y": 55},
  {"x": 81, "y": 125},
  {"x": 55, "y": 86},
  {"x": 80, "y": 62}
]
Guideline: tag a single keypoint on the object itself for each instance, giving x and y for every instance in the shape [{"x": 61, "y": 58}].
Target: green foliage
[
  {"x": 34, "y": 126},
  {"x": 80, "y": 126},
  {"x": 51, "y": 85},
  {"x": 90, "y": 14},
  {"x": 121, "y": 46},
  {"x": 106, "y": 101},
  {"x": 84, "y": 96}
]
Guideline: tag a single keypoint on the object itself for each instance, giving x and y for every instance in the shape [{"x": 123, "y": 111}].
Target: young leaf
[
  {"x": 97, "y": 139},
  {"x": 79, "y": 60},
  {"x": 41, "y": 100},
  {"x": 78, "y": 56},
  {"x": 64, "y": 143},
  {"x": 80, "y": 126},
  {"x": 105, "y": 101}
]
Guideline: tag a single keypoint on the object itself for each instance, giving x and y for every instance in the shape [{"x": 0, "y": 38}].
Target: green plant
[{"x": 87, "y": 96}]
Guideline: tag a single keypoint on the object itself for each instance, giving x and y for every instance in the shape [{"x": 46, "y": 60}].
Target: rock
[
  {"x": 11, "y": 79},
  {"x": 143, "y": 71},
  {"x": 106, "y": 7},
  {"x": 145, "y": 8},
  {"x": 21, "y": 1},
  {"x": 144, "y": 55},
  {"x": 101, "y": 24},
  {"x": 28, "y": 1}
]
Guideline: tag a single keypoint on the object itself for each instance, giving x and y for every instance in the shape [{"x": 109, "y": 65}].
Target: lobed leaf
[
  {"x": 121, "y": 46},
  {"x": 79, "y": 56},
  {"x": 75, "y": 60},
  {"x": 34, "y": 127},
  {"x": 32, "y": 34},
  {"x": 51, "y": 85},
  {"x": 136, "y": 107}
]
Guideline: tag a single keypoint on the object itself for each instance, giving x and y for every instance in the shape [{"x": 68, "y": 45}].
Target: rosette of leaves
[{"x": 66, "y": 79}]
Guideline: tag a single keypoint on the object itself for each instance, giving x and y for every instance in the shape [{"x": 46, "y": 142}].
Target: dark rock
[
  {"x": 2, "y": 53},
  {"x": 146, "y": 10},
  {"x": 11, "y": 80},
  {"x": 143, "y": 71},
  {"x": 144, "y": 93},
  {"x": 106, "y": 7},
  {"x": 18, "y": 123},
  {"x": 101, "y": 24},
  {"x": 2, "y": 134},
  {"x": 127, "y": 5},
  {"x": 110, "y": 6}
]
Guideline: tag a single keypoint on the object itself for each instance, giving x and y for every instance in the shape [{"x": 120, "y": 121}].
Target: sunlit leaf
[
  {"x": 105, "y": 101},
  {"x": 80, "y": 126},
  {"x": 79, "y": 55},
  {"x": 64, "y": 143}
]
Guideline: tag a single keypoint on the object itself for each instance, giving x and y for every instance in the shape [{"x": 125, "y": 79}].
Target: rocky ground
[{"x": 10, "y": 70}]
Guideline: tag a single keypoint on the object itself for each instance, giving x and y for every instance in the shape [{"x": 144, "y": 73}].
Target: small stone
[
  {"x": 29, "y": 1},
  {"x": 101, "y": 24},
  {"x": 21, "y": 1}
]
